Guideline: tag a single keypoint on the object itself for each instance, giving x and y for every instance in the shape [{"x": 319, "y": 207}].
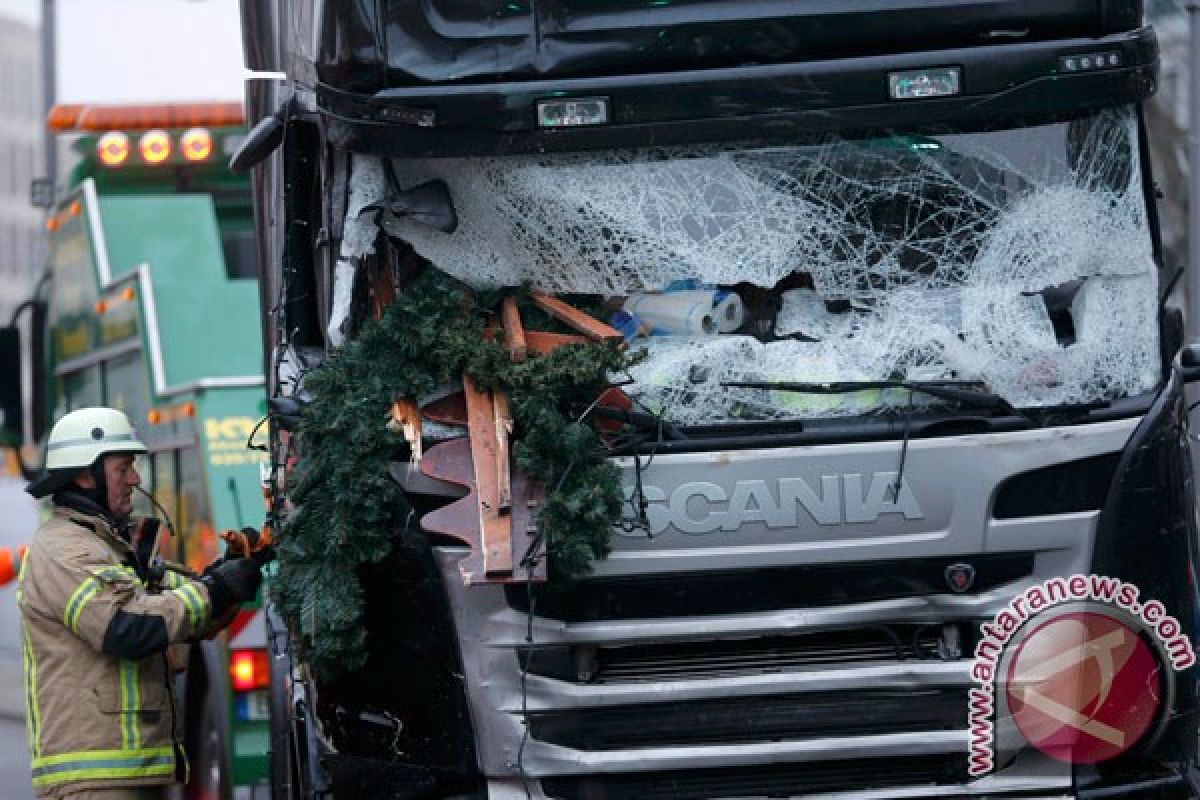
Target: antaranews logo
[{"x": 1082, "y": 684}]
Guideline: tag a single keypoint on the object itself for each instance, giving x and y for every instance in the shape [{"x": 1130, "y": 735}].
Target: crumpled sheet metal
[
  {"x": 367, "y": 187},
  {"x": 367, "y": 47}
]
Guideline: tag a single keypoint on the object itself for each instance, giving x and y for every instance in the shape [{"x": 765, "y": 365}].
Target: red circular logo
[{"x": 1083, "y": 687}]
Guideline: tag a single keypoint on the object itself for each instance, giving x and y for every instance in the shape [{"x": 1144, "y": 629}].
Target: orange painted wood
[
  {"x": 383, "y": 293},
  {"x": 612, "y": 397},
  {"x": 572, "y": 317},
  {"x": 493, "y": 521},
  {"x": 407, "y": 417},
  {"x": 504, "y": 427},
  {"x": 514, "y": 331}
]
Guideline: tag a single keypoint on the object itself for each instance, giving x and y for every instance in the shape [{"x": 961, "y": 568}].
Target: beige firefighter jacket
[{"x": 95, "y": 720}]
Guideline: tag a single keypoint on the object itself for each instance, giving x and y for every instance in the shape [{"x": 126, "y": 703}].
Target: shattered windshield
[{"x": 1020, "y": 259}]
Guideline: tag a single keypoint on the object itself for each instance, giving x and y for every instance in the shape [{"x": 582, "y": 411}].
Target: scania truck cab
[{"x": 906, "y": 503}]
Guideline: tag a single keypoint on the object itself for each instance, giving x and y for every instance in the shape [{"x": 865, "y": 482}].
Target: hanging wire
[
  {"x": 637, "y": 500},
  {"x": 163, "y": 511},
  {"x": 899, "y": 482},
  {"x": 166, "y": 520}
]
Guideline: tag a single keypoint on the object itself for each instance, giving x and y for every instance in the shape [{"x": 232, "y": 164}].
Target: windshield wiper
[
  {"x": 641, "y": 421},
  {"x": 969, "y": 394}
]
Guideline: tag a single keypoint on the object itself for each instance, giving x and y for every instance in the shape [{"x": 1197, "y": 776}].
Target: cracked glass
[{"x": 1019, "y": 258}]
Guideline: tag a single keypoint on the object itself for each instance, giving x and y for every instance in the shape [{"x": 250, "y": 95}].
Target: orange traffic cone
[
  {"x": 12, "y": 467},
  {"x": 10, "y": 563}
]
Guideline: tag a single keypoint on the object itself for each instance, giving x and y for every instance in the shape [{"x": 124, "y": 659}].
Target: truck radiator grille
[
  {"x": 790, "y": 780},
  {"x": 621, "y": 664},
  {"x": 766, "y": 718},
  {"x": 750, "y": 591}
]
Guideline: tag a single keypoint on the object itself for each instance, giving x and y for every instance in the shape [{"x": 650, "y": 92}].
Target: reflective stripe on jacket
[{"x": 98, "y": 699}]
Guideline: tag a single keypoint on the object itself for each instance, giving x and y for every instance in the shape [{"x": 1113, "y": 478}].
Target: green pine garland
[{"x": 343, "y": 498}]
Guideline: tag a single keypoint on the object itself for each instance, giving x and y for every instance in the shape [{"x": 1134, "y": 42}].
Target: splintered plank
[
  {"x": 504, "y": 427},
  {"x": 495, "y": 524},
  {"x": 514, "y": 331},
  {"x": 574, "y": 318},
  {"x": 407, "y": 418}
]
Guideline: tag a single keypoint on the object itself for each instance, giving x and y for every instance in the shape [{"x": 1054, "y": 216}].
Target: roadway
[{"x": 18, "y": 518}]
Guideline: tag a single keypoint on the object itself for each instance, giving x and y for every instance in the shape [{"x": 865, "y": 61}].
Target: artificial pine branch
[{"x": 342, "y": 497}]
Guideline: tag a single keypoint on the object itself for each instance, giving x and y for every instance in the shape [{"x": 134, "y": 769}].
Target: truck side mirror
[
  {"x": 259, "y": 143},
  {"x": 12, "y": 419}
]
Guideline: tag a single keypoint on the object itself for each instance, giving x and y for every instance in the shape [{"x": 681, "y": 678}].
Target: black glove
[{"x": 230, "y": 583}]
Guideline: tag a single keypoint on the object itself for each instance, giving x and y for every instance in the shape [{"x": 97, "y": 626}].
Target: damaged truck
[{"x": 694, "y": 398}]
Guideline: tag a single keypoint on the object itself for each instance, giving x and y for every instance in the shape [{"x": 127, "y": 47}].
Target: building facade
[{"x": 20, "y": 160}]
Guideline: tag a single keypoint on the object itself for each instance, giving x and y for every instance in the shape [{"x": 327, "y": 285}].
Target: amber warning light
[
  {"x": 113, "y": 149},
  {"x": 196, "y": 144},
  {"x": 155, "y": 146}
]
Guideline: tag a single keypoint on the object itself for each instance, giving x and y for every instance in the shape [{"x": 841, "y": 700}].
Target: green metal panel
[
  {"x": 74, "y": 328},
  {"x": 251, "y": 740},
  {"x": 207, "y": 324},
  {"x": 225, "y": 419}
]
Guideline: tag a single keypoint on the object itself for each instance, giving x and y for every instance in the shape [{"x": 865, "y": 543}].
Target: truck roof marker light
[
  {"x": 100, "y": 307},
  {"x": 155, "y": 146},
  {"x": 196, "y": 144},
  {"x": 918, "y": 84},
  {"x": 52, "y": 224},
  {"x": 128, "y": 293},
  {"x": 113, "y": 149},
  {"x": 74, "y": 209},
  {"x": 154, "y": 416},
  {"x": 249, "y": 670},
  {"x": 572, "y": 112}
]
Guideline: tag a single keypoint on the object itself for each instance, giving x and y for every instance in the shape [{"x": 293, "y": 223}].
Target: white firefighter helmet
[{"x": 78, "y": 439}]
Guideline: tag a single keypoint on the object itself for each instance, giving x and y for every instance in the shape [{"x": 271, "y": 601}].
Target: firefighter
[{"x": 97, "y": 619}]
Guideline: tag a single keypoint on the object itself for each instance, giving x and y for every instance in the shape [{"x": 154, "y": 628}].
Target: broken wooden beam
[
  {"x": 514, "y": 331},
  {"x": 495, "y": 523},
  {"x": 575, "y": 319},
  {"x": 405, "y": 418},
  {"x": 504, "y": 428}
]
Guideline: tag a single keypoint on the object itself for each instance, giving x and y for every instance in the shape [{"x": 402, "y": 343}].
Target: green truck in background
[{"x": 148, "y": 303}]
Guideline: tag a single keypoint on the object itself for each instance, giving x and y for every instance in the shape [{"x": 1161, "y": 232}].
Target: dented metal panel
[{"x": 366, "y": 48}]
